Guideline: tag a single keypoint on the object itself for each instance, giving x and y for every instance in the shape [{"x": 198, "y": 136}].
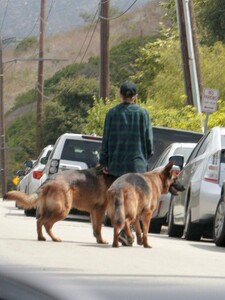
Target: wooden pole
[
  {"x": 2, "y": 127},
  {"x": 104, "y": 49},
  {"x": 184, "y": 51},
  {"x": 40, "y": 84}
]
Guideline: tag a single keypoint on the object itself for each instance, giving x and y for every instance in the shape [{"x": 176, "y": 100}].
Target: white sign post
[{"x": 209, "y": 102}]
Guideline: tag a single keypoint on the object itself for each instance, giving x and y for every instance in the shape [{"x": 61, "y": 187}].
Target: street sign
[{"x": 209, "y": 100}]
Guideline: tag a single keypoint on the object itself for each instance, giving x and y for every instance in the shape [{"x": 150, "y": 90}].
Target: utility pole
[
  {"x": 195, "y": 45},
  {"x": 104, "y": 49},
  {"x": 40, "y": 84},
  {"x": 192, "y": 56},
  {"x": 184, "y": 51},
  {"x": 2, "y": 127}
]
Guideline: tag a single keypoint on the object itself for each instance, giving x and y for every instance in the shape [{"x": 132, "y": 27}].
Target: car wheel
[
  {"x": 192, "y": 231},
  {"x": 174, "y": 230},
  {"x": 155, "y": 227},
  {"x": 219, "y": 224}
]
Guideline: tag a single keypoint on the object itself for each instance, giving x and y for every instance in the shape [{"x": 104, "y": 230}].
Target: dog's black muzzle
[{"x": 175, "y": 188}]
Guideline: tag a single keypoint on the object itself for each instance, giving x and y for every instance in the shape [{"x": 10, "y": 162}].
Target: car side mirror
[
  {"x": 20, "y": 173},
  {"x": 44, "y": 160},
  {"x": 28, "y": 163},
  {"x": 177, "y": 160}
]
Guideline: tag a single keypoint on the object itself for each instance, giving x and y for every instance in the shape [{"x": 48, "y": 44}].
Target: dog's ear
[{"x": 168, "y": 167}]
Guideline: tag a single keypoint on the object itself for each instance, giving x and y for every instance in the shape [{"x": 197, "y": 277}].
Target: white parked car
[
  {"x": 31, "y": 181},
  {"x": 192, "y": 212},
  {"x": 159, "y": 217},
  {"x": 73, "y": 152}
]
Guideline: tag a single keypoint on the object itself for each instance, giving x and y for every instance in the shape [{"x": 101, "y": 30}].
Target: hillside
[
  {"x": 19, "y": 18},
  {"x": 69, "y": 47}
]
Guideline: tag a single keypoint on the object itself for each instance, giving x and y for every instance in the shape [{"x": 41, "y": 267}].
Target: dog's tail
[
  {"x": 117, "y": 209},
  {"x": 22, "y": 199}
]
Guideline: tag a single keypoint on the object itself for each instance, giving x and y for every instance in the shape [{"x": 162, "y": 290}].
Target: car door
[{"x": 185, "y": 177}]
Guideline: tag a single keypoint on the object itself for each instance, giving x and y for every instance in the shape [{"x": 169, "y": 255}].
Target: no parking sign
[{"x": 209, "y": 100}]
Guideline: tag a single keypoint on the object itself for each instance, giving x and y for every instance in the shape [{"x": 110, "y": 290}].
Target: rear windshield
[{"x": 84, "y": 151}]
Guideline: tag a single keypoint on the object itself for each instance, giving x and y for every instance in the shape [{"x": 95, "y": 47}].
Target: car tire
[
  {"x": 192, "y": 231},
  {"x": 219, "y": 224},
  {"x": 155, "y": 227},
  {"x": 174, "y": 230}
]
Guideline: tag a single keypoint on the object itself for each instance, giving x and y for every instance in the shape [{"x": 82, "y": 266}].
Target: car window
[
  {"x": 84, "y": 151},
  {"x": 163, "y": 159},
  {"x": 185, "y": 152},
  {"x": 200, "y": 147},
  {"x": 205, "y": 144}
]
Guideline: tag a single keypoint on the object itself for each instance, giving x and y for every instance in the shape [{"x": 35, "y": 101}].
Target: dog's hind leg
[
  {"x": 116, "y": 237},
  {"x": 127, "y": 228},
  {"x": 146, "y": 217},
  {"x": 97, "y": 218},
  {"x": 138, "y": 232},
  {"x": 51, "y": 221},
  {"x": 40, "y": 223},
  {"x": 48, "y": 226}
]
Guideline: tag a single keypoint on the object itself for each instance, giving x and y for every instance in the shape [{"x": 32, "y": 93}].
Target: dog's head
[
  {"x": 168, "y": 177},
  {"x": 169, "y": 180}
]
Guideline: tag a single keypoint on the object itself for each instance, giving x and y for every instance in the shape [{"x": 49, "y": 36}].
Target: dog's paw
[
  {"x": 140, "y": 241},
  {"x": 147, "y": 246},
  {"x": 41, "y": 238},
  {"x": 101, "y": 241}
]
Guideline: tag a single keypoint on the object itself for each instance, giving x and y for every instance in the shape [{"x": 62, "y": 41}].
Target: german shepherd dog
[
  {"x": 134, "y": 196},
  {"x": 84, "y": 190}
]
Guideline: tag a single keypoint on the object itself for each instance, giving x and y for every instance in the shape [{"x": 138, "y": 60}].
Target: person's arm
[
  {"x": 149, "y": 137},
  {"x": 105, "y": 139}
]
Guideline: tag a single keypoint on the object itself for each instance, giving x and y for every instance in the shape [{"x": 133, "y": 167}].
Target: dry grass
[{"x": 21, "y": 76}]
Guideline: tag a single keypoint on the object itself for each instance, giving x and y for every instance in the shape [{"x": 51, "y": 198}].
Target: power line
[
  {"x": 85, "y": 39},
  {"x": 123, "y": 13},
  {"x": 90, "y": 41},
  {"x": 75, "y": 61}
]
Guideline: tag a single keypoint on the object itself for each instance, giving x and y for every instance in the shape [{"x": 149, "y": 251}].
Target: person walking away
[{"x": 127, "y": 141}]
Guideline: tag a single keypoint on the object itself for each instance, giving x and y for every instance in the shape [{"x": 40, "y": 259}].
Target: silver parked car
[
  {"x": 192, "y": 212},
  {"x": 219, "y": 221},
  {"x": 159, "y": 217}
]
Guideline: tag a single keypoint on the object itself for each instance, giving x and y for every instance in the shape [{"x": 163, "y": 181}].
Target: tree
[
  {"x": 209, "y": 17},
  {"x": 211, "y": 21},
  {"x": 123, "y": 56}
]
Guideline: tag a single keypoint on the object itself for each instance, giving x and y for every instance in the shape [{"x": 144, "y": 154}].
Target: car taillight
[
  {"x": 37, "y": 174},
  {"x": 213, "y": 167},
  {"x": 177, "y": 172},
  {"x": 54, "y": 166}
]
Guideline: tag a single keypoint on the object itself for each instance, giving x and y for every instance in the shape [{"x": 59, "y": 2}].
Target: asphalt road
[{"x": 79, "y": 268}]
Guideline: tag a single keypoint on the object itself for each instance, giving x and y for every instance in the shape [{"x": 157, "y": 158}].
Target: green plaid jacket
[{"x": 127, "y": 139}]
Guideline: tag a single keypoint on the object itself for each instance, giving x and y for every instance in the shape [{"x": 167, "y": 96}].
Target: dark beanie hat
[{"x": 128, "y": 89}]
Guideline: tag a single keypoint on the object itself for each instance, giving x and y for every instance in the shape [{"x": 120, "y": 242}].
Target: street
[{"x": 173, "y": 267}]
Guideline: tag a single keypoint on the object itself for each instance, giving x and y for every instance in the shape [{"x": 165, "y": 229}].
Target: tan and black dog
[
  {"x": 84, "y": 190},
  {"x": 134, "y": 196}
]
